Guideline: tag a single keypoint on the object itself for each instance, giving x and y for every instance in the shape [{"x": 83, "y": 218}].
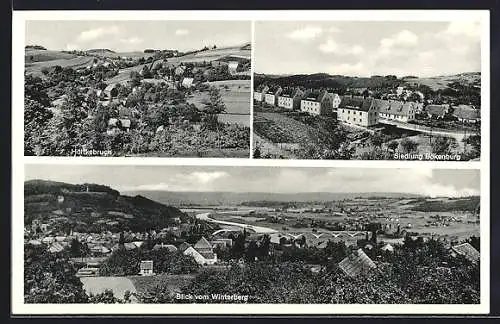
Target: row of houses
[{"x": 358, "y": 110}]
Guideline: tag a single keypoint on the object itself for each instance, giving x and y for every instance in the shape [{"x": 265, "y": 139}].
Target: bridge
[{"x": 459, "y": 135}]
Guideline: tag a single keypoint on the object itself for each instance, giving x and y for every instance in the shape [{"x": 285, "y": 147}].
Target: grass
[
  {"x": 32, "y": 56},
  {"x": 173, "y": 282},
  {"x": 118, "y": 285},
  {"x": 75, "y": 63}
]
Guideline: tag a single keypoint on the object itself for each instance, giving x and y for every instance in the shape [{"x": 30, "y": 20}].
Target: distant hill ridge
[{"x": 42, "y": 200}]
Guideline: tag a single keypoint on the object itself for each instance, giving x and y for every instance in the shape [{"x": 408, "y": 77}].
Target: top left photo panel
[{"x": 137, "y": 88}]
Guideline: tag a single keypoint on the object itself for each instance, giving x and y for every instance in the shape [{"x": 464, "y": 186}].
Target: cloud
[
  {"x": 181, "y": 32},
  {"x": 331, "y": 46},
  {"x": 207, "y": 177},
  {"x": 131, "y": 40},
  {"x": 96, "y": 33},
  {"x": 306, "y": 33},
  {"x": 463, "y": 28},
  {"x": 403, "y": 39}
]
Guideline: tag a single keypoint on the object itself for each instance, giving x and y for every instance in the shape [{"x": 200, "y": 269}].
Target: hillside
[
  {"x": 100, "y": 208},
  {"x": 341, "y": 81},
  {"x": 235, "y": 198}
]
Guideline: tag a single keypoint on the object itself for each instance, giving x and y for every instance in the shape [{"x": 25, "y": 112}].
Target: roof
[
  {"x": 273, "y": 90},
  {"x": 184, "y": 246},
  {"x": 439, "y": 110},
  {"x": 56, "y": 247},
  {"x": 466, "y": 112},
  {"x": 202, "y": 244},
  {"x": 394, "y": 107},
  {"x": 316, "y": 96},
  {"x": 130, "y": 246},
  {"x": 207, "y": 255},
  {"x": 388, "y": 247},
  {"x": 356, "y": 103},
  {"x": 468, "y": 251},
  {"x": 262, "y": 88},
  {"x": 356, "y": 263},
  {"x": 169, "y": 247}
]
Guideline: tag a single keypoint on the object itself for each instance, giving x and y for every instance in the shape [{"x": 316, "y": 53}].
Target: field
[
  {"x": 280, "y": 129},
  {"x": 75, "y": 63},
  {"x": 441, "y": 82},
  {"x": 96, "y": 285},
  {"x": 108, "y": 54},
  {"x": 32, "y": 56}
]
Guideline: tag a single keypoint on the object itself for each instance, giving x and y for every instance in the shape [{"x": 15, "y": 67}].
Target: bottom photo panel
[{"x": 122, "y": 234}]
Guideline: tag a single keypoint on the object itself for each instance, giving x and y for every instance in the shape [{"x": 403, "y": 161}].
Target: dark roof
[
  {"x": 316, "y": 95},
  {"x": 261, "y": 87},
  {"x": 439, "y": 110},
  {"x": 356, "y": 263},
  {"x": 184, "y": 246},
  {"x": 357, "y": 103},
  {"x": 466, "y": 112},
  {"x": 394, "y": 107},
  {"x": 288, "y": 92},
  {"x": 468, "y": 251}
]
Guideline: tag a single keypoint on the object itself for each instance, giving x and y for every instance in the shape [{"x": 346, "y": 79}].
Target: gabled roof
[
  {"x": 202, "y": 244},
  {"x": 262, "y": 88},
  {"x": 169, "y": 247},
  {"x": 356, "y": 103},
  {"x": 468, "y": 251},
  {"x": 394, "y": 107},
  {"x": 356, "y": 263}
]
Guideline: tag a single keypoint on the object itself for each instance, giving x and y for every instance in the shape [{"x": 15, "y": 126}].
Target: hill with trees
[{"x": 93, "y": 208}]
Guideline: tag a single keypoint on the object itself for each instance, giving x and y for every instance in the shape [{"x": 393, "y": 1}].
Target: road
[{"x": 257, "y": 229}]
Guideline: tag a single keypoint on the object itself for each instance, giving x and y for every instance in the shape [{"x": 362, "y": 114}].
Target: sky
[
  {"x": 365, "y": 48},
  {"x": 424, "y": 181},
  {"x": 125, "y": 36}
]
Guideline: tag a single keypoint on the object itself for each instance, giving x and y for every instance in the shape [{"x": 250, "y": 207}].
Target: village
[
  {"x": 382, "y": 123},
  {"x": 204, "y": 238},
  {"x": 159, "y": 102}
]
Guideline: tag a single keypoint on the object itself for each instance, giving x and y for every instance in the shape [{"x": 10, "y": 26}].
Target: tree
[
  {"x": 408, "y": 145},
  {"x": 50, "y": 278},
  {"x": 393, "y": 145},
  {"x": 443, "y": 145},
  {"x": 377, "y": 139},
  {"x": 256, "y": 153},
  {"x": 36, "y": 118}
]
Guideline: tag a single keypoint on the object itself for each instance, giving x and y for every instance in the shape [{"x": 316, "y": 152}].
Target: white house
[
  {"x": 258, "y": 95},
  {"x": 146, "y": 268},
  {"x": 336, "y": 102},
  {"x": 233, "y": 66},
  {"x": 358, "y": 111},
  {"x": 202, "y": 252},
  {"x": 290, "y": 98},
  {"x": 317, "y": 103},
  {"x": 271, "y": 96},
  {"x": 187, "y": 82}
]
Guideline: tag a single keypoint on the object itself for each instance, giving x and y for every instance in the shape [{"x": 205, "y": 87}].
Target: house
[
  {"x": 467, "y": 114},
  {"x": 146, "y": 268},
  {"x": 399, "y": 91},
  {"x": 187, "y": 82},
  {"x": 180, "y": 70},
  {"x": 317, "y": 103},
  {"x": 202, "y": 252},
  {"x": 358, "y": 111},
  {"x": 388, "y": 248},
  {"x": 396, "y": 110},
  {"x": 258, "y": 95},
  {"x": 436, "y": 111},
  {"x": 466, "y": 250},
  {"x": 271, "y": 96},
  {"x": 56, "y": 247},
  {"x": 356, "y": 263},
  {"x": 336, "y": 102},
  {"x": 115, "y": 124},
  {"x": 290, "y": 98},
  {"x": 233, "y": 66}
]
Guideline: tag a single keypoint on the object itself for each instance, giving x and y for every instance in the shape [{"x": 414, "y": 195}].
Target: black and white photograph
[
  {"x": 137, "y": 88},
  {"x": 250, "y": 235},
  {"x": 368, "y": 90}
]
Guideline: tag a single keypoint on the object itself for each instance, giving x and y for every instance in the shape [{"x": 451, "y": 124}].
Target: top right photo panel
[{"x": 367, "y": 90}]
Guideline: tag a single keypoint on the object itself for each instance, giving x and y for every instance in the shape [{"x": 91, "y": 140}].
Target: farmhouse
[
  {"x": 271, "y": 96},
  {"x": 258, "y": 94},
  {"x": 290, "y": 98},
  {"x": 396, "y": 110},
  {"x": 187, "y": 82},
  {"x": 202, "y": 252},
  {"x": 146, "y": 268},
  {"x": 467, "y": 114},
  {"x": 317, "y": 103},
  {"x": 358, "y": 111},
  {"x": 437, "y": 111}
]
